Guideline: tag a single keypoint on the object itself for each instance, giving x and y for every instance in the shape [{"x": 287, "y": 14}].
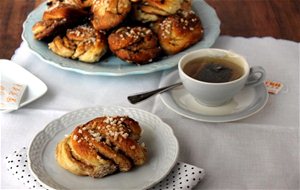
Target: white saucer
[
  {"x": 35, "y": 87},
  {"x": 247, "y": 102}
]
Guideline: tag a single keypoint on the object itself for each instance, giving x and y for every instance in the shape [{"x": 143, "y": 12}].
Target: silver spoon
[{"x": 144, "y": 95}]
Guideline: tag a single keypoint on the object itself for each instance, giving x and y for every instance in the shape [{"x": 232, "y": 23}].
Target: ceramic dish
[
  {"x": 162, "y": 147},
  {"x": 112, "y": 66},
  {"x": 35, "y": 87},
  {"x": 247, "y": 102}
]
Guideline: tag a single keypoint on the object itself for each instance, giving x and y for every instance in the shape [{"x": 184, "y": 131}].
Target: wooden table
[{"x": 277, "y": 18}]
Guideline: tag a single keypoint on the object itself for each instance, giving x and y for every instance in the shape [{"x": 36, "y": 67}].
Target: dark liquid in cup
[{"x": 213, "y": 70}]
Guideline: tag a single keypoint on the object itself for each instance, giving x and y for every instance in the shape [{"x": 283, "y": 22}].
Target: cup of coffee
[{"x": 214, "y": 76}]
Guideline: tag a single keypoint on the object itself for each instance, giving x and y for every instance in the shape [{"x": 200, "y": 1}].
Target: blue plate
[{"x": 112, "y": 66}]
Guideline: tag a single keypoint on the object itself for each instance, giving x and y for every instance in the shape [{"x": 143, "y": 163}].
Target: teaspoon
[{"x": 144, "y": 95}]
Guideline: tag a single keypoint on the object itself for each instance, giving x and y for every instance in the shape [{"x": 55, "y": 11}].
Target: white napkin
[
  {"x": 259, "y": 152},
  {"x": 182, "y": 176}
]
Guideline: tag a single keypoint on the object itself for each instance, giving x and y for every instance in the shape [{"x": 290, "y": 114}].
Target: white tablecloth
[{"x": 260, "y": 152}]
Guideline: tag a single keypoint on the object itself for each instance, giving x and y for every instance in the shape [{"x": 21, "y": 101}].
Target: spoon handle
[{"x": 144, "y": 95}]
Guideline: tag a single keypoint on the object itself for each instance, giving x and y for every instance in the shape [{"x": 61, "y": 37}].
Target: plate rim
[
  {"x": 203, "y": 118},
  {"x": 168, "y": 127},
  {"x": 150, "y": 68}
]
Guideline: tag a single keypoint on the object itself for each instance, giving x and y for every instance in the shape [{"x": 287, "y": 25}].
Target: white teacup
[{"x": 218, "y": 93}]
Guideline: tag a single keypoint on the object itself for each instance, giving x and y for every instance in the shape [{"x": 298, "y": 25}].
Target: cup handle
[{"x": 253, "y": 79}]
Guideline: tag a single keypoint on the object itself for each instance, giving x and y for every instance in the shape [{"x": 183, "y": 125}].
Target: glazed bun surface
[
  {"x": 82, "y": 42},
  {"x": 107, "y": 14},
  {"x": 134, "y": 44},
  {"x": 57, "y": 20},
  {"x": 102, "y": 146},
  {"x": 179, "y": 31}
]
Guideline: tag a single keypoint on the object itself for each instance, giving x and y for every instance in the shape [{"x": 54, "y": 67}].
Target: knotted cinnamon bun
[
  {"x": 109, "y": 13},
  {"x": 179, "y": 31},
  {"x": 82, "y": 42},
  {"x": 153, "y": 10},
  {"x": 134, "y": 44},
  {"x": 57, "y": 19},
  {"x": 101, "y": 147}
]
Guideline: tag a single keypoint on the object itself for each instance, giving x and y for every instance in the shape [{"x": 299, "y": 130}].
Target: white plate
[
  {"x": 112, "y": 66},
  {"x": 159, "y": 138},
  {"x": 247, "y": 102},
  {"x": 35, "y": 87}
]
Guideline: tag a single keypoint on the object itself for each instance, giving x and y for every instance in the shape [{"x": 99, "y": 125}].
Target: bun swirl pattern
[
  {"x": 179, "y": 31},
  {"x": 82, "y": 42},
  {"x": 57, "y": 19},
  {"x": 134, "y": 44},
  {"x": 102, "y": 146},
  {"x": 109, "y": 13}
]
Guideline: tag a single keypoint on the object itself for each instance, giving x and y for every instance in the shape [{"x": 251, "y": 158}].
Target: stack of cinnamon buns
[{"x": 136, "y": 31}]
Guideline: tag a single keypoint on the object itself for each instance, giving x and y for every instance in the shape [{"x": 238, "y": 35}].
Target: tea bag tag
[
  {"x": 11, "y": 94},
  {"x": 273, "y": 87}
]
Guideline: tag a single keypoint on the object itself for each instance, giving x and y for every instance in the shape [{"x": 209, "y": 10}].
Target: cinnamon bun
[
  {"x": 179, "y": 31},
  {"x": 109, "y": 13},
  {"x": 82, "y": 42},
  {"x": 57, "y": 19},
  {"x": 102, "y": 146},
  {"x": 153, "y": 10},
  {"x": 134, "y": 44}
]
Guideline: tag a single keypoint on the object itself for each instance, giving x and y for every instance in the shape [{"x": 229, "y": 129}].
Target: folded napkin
[{"x": 182, "y": 176}]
